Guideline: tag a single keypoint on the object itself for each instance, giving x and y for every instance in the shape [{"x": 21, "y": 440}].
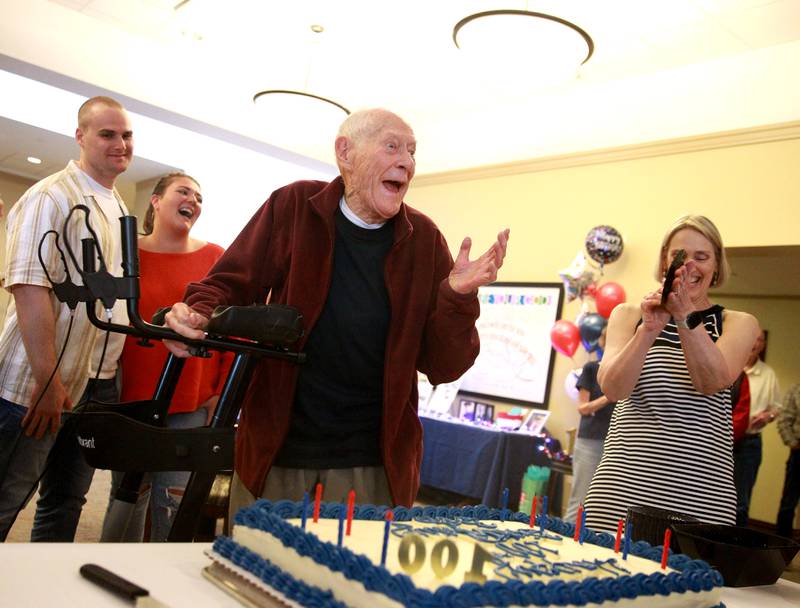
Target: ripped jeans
[{"x": 162, "y": 490}]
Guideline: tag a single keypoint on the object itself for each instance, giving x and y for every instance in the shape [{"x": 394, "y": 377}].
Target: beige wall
[
  {"x": 11, "y": 188},
  {"x": 750, "y": 191}
]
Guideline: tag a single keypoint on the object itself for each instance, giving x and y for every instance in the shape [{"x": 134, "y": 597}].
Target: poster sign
[{"x": 516, "y": 359}]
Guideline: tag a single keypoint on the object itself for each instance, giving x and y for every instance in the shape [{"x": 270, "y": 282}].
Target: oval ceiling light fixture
[
  {"x": 290, "y": 115},
  {"x": 281, "y": 92},
  {"x": 34, "y": 161},
  {"x": 297, "y": 120},
  {"x": 551, "y": 48}
]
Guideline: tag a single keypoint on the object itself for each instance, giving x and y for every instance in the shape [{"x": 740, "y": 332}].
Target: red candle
[
  {"x": 533, "y": 511},
  {"x": 351, "y": 505},
  {"x": 317, "y": 500},
  {"x": 578, "y": 523},
  {"x": 619, "y": 537},
  {"x": 665, "y": 552}
]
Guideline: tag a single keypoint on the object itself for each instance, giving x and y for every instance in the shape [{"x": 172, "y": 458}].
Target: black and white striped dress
[{"x": 668, "y": 446}]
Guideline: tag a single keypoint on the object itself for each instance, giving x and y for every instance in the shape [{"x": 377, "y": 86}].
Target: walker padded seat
[{"x": 147, "y": 411}]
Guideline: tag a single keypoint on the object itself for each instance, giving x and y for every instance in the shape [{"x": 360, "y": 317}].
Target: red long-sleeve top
[{"x": 164, "y": 277}]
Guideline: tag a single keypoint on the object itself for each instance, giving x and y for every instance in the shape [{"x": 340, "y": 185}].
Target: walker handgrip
[{"x": 269, "y": 324}]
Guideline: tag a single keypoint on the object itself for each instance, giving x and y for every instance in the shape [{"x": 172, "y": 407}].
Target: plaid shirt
[
  {"x": 789, "y": 417},
  {"x": 45, "y": 207}
]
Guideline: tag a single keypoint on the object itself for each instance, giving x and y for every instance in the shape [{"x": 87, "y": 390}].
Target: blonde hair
[
  {"x": 703, "y": 225},
  {"x": 89, "y": 104}
]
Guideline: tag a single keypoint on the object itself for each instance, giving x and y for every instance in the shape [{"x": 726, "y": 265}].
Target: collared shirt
[
  {"x": 789, "y": 417},
  {"x": 44, "y": 207},
  {"x": 764, "y": 390}
]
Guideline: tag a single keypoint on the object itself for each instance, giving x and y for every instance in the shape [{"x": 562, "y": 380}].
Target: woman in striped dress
[{"x": 669, "y": 367}]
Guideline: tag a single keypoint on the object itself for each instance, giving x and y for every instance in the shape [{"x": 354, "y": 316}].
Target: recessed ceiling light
[{"x": 34, "y": 161}]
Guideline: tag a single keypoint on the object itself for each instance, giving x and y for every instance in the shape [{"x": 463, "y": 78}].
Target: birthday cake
[{"x": 449, "y": 556}]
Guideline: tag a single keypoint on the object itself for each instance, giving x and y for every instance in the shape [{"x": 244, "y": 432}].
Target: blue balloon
[{"x": 591, "y": 327}]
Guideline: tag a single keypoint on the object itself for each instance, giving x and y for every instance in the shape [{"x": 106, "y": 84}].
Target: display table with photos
[
  {"x": 480, "y": 462},
  {"x": 46, "y": 574}
]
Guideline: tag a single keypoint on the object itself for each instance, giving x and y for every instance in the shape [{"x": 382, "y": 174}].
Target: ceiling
[{"x": 660, "y": 69}]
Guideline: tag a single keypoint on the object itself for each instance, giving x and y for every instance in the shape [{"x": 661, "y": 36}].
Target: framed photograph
[
  {"x": 484, "y": 412},
  {"x": 515, "y": 364},
  {"x": 466, "y": 410},
  {"x": 534, "y": 421}
]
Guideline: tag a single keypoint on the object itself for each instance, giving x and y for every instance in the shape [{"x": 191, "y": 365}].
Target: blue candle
[
  {"x": 504, "y": 505},
  {"x": 626, "y": 545},
  {"x": 305, "y": 509},
  {"x": 386, "y": 528},
  {"x": 543, "y": 515},
  {"x": 583, "y": 526},
  {"x": 342, "y": 512}
]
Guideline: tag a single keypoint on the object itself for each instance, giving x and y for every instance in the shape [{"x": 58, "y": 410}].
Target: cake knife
[{"x": 109, "y": 581}]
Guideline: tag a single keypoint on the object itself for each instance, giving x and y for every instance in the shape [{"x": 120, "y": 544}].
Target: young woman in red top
[{"x": 169, "y": 259}]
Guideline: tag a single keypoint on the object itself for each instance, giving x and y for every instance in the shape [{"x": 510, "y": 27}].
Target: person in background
[
  {"x": 382, "y": 299},
  {"x": 670, "y": 367},
  {"x": 595, "y": 410},
  {"x": 740, "y": 398},
  {"x": 2, "y": 272},
  {"x": 764, "y": 406},
  {"x": 169, "y": 259},
  {"x": 36, "y": 327},
  {"x": 789, "y": 429}
]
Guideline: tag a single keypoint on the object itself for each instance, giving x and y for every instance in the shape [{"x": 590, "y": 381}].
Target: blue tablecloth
[{"x": 478, "y": 462}]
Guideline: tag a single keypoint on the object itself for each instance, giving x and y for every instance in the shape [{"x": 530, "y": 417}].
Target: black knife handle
[{"x": 111, "y": 582}]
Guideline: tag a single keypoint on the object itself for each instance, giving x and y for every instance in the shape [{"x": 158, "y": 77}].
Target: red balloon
[
  {"x": 607, "y": 297},
  {"x": 565, "y": 337}
]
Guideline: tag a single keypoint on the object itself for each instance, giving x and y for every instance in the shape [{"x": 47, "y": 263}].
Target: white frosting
[{"x": 367, "y": 539}]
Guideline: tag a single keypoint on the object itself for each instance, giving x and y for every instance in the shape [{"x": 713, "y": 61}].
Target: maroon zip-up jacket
[{"x": 287, "y": 249}]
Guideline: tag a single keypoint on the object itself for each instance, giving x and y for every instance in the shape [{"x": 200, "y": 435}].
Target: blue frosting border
[{"x": 692, "y": 575}]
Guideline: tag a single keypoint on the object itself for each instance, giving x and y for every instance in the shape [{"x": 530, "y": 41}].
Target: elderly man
[
  {"x": 34, "y": 394},
  {"x": 381, "y": 297}
]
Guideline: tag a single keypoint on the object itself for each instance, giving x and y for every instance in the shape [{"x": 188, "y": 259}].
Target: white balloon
[{"x": 570, "y": 383}]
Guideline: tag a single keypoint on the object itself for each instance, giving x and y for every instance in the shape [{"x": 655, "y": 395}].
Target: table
[
  {"x": 479, "y": 462},
  {"x": 46, "y": 574},
  {"x": 36, "y": 575}
]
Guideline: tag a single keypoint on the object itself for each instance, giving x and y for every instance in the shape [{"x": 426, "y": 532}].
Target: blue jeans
[
  {"x": 65, "y": 476},
  {"x": 162, "y": 490},
  {"x": 791, "y": 495},
  {"x": 746, "y": 461}
]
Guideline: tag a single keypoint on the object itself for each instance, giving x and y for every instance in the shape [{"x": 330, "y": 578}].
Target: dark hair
[{"x": 159, "y": 190}]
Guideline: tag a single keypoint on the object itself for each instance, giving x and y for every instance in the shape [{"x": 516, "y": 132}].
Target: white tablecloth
[{"x": 46, "y": 574}]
